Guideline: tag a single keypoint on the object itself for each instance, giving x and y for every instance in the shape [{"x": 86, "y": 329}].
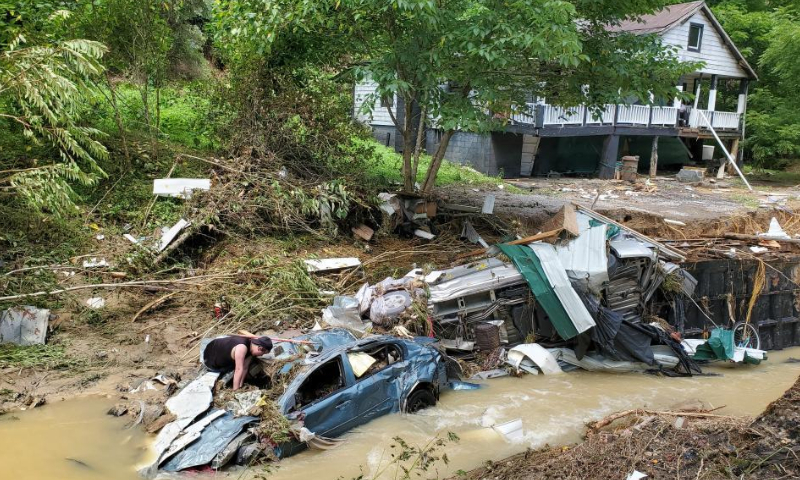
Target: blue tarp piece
[{"x": 216, "y": 436}]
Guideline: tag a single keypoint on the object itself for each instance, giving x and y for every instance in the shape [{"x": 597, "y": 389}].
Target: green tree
[
  {"x": 43, "y": 86},
  {"x": 457, "y": 61},
  {"x": 767, "y": 33}
]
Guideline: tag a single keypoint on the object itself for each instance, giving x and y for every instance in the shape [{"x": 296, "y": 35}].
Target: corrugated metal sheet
[
  {"x": 585, "y": 257},
  {"x": 548, "y": 281},
  {"x": 479, "y": 281}
]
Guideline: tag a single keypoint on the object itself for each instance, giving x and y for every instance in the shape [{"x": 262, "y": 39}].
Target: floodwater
[{"x": 76, "y": 440}]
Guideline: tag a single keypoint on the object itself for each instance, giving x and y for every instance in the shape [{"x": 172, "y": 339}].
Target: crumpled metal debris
[{"x": 25, "y": 325}]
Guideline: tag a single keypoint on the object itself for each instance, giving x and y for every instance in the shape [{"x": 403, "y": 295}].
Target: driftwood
[
  {"x": 151, "y": 305},
  {"x": 757, "y": 238},
  {"x": 616, "y": 416},
  {"x": 136, "y": 284}
]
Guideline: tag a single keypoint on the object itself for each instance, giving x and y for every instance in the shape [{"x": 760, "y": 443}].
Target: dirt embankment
[{"x": 670, "y": 445}]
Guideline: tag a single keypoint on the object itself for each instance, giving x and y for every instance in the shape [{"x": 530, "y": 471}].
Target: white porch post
[
  {"x": 697, "y": 82},
  {"x": 712, "y": 94},
  {"x": 676, "y": 102},
  {"x": 741, "y": 105}
]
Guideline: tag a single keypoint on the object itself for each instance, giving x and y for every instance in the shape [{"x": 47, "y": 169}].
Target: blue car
[{"x": 349, "y": 385}]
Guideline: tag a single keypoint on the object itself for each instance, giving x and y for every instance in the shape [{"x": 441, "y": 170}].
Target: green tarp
[
  {"x": 530, "y": 267},
  {"x": 719, "y": 346}
]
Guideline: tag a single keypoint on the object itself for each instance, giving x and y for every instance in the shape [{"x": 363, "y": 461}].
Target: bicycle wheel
[{"x": 746, "y": 335}]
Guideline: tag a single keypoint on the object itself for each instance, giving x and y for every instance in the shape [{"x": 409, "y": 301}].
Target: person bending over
[{"x": 235, "y": 353}]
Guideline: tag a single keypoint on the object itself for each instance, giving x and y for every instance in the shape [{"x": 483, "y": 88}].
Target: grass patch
[
  {"x": 746, "y": 200},
  {"x": 35, "y": 356},
  {"x": 386, "y": 165},
  {"x": 187, "y": 114},
  {"x": 788, "y": 177}
]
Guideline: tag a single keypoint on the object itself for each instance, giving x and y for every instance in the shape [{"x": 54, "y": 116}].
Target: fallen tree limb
[
  {"x": 152, "y": 304},
  {"x": 135, "y": 283},
  {"x": 616, "y": 416},
  {"x": 742, "y": 236}
]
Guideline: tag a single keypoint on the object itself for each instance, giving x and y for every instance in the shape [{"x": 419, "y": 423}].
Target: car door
[
  {"x": 327, "y": 413},
  {"x": 379, "y": 393}
]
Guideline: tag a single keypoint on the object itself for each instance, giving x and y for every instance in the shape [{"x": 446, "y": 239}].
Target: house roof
[
  {"x": 674, "y": 15},
  {"x": 660, "y": 21}
]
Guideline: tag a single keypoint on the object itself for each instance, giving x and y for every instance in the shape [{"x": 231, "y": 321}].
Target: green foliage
[
  {"x": 35, "y": 356},
  {"x": 42, "y": 87},
  {"x": 767, "y": 34},
  {"x": 384, "y": 165},
  {"x": 189, "y": 115},
  {"x": 456, "y": 59},
  {"x": 413, "y": 461}
]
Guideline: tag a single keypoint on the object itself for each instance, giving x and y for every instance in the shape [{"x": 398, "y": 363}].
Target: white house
[{"x": 572, "y": 140}]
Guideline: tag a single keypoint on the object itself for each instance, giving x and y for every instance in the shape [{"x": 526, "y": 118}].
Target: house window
[
  {"x": 695, "y": 37},
  {"x": 387, "y": 101}
]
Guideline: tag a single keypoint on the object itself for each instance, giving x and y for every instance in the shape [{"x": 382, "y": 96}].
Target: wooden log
[{"x": 756, "y": 238}]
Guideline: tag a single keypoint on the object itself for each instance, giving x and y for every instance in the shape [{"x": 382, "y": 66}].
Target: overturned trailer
[{"x": 602, "y": 289}]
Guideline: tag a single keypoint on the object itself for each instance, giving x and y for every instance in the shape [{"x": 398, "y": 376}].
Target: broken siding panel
[
  {"x": 718, "y": 58},
  {"x": 379, "y": 114}
]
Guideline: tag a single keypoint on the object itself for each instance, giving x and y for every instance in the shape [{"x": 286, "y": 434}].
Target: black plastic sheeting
[{"x": 619, "y": 339}]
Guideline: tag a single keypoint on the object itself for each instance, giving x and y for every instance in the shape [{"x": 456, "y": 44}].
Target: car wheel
[{"x": 420, "y": 399}]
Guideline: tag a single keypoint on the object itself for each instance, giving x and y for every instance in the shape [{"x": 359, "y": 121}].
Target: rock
[
  {"x": 690, "y": 176},
  {"x": 248, "y": 454},
  {"x": 118, "y": 410}
]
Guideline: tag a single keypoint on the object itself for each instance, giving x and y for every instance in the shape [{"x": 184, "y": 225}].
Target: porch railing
[{"x": 544, "y": 115}]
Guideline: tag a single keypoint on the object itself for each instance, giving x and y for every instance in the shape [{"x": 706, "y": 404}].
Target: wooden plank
[{"x": 521, "y": 241}]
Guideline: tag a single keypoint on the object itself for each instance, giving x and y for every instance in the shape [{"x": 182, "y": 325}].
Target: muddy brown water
[{"x": 74, "y": 439}]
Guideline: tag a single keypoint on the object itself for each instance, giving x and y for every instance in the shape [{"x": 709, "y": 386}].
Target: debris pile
[{"x": 679, "y": 443}]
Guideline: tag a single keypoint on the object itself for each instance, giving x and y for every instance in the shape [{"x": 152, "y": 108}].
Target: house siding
[
  {"x": 379, "y": 115},
  {"x": 718, "y": 58}
]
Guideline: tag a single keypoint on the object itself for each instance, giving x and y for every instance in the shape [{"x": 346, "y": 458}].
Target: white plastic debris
[
  {"x": 100, "y": 237},
  {"x": 179, "y": 187},
  {"x": 95, "y": 263},
  {"x": 168, "y": 236},
  {"x": 775, "y": 230},
  {"x": 130, "y": 238},
  {"x": 532, "y": 358},
  {"x": 488, "y": 205},
  {"x": 636, "y": 475},
  {"x": 327, "y": 264},
  {"x": 424, "y": 234},
  {"x": 96, "y": 303},
  {"x": 511, "y": 431},
  {"x": 759, "y": 249},
  {"x": 678, "y": 223}
]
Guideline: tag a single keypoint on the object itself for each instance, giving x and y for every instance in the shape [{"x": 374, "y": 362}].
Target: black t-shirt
[{"x": 217, "y": 355}]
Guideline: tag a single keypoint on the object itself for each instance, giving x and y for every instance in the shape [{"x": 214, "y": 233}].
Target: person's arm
[{"x": 242, "y": 362}]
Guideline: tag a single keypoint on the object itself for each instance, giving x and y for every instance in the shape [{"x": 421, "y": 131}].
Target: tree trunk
[
  {"x": 418, "y": 146},
  {"x": 146, "y": 101},
  {"x": 408, "y": 146},
  {"x": 118, "y": 119},
  {"x": 436, "y": 162},
  {"x": 654, "y": 158}
]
